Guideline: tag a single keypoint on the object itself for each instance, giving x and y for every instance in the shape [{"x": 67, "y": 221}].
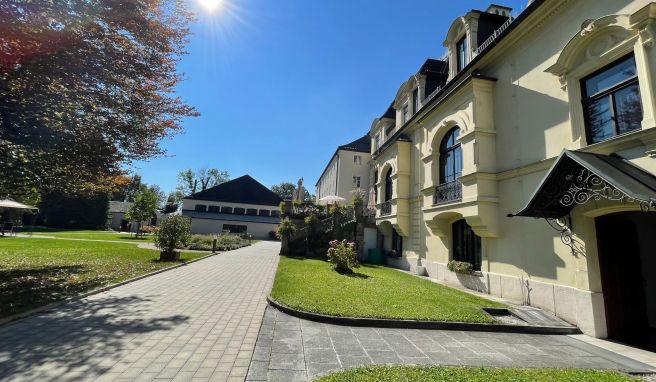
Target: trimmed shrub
[
  {"x": 174, "y": 232},
  {"x": 342, "y": 255},
  {"x": 286, "y": 228}
]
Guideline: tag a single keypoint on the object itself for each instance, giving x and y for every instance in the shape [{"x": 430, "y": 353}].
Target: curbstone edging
[
  {"x": 55, "y": 304},
  {"x": 416, "y": 324}
]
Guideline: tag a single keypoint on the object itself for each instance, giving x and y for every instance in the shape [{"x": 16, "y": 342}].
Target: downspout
[{"x": 337, "y": 176}]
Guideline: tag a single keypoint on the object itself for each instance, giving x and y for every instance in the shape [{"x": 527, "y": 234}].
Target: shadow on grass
[
  {"x": 371, "y": 266},
  {"x": 78, "y": 334},
  {"x": 22, "y": 289},
  {"x": 133, "y": 238},
  {"x": 356, "y": 275}
]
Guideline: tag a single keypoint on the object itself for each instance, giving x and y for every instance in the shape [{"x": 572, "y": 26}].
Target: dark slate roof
[
  {"x": 241, "y": 190},
  {"x": 390, "y": 112},
  {"x": 362, "y": 144},
  {"x": 434, "y": 67}
]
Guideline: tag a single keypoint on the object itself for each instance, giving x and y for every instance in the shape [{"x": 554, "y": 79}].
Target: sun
[{"x": 210, "y": 5}]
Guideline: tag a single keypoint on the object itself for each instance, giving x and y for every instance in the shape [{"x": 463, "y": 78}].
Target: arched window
[
  {"x": 466, "y": 244},
  {"x": 388, "y": 185},
  {"x": 450, "y": 157}
]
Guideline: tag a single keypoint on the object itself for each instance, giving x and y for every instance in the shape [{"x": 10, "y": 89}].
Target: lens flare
[{"x": 210, "y": 5}]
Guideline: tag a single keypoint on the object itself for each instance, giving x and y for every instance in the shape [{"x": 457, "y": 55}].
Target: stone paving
[
  {"x": 291, "y": 349},
  {"x": 198, "y": 322}
]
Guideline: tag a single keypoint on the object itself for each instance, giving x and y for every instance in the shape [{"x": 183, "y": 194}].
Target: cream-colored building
[
  {"x": 348, "y": 170},
  {"x": 534, "y": 160},
  {"x": 242, "y": 205}
]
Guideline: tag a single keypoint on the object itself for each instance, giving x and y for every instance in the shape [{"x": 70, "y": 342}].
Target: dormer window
[
  {"x": 415, "y": 101},
  {"x": 388, "y": 131},
  {"x": 461, "y": 53},
  {"x": 405, "y": 114}
]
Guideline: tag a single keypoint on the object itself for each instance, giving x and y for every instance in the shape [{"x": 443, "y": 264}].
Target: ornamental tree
[
  {"x": 86, "y": 88},
  {"x": 143, "y": 208}
]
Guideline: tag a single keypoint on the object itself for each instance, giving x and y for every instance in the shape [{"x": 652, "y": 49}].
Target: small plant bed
[
  {"x": 372, "y": 292},
  {"x": 35, "y": 272},
  {"x": 224, "y": 242},
  {"x": 472, "y": 374}
]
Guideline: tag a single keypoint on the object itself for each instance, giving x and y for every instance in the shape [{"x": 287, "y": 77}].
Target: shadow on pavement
[{"x": 87, "y": 335}]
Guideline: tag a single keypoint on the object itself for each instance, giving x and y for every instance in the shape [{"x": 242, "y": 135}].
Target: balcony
[
  {"x": 448, "y": 193},
  {"x": 386, "y": 209}
]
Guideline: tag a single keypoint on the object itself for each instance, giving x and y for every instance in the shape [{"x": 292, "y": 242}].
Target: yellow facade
[{"x": 518, "y": 106}]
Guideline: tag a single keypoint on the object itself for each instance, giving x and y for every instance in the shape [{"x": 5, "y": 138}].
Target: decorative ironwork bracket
[
  {"x": 588, "y": 186},
  {"x": 564, "y": 227}
]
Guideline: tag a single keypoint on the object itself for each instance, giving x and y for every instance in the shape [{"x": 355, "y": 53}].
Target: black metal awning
[{"x": 577, "y": 177}]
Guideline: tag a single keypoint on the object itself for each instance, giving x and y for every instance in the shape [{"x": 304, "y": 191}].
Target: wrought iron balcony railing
[
  {"x": 386, "y": 209},
  {"x": 448, "y": 192}
]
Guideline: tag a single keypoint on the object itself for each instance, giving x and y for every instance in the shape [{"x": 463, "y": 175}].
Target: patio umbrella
[
  {"x": 10, "y": 204},
  {"x": 332, "y": 199},
  {"x": 371, "y": 203}
]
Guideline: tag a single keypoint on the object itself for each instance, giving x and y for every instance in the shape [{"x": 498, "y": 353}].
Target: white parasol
[{"x": 10, "y": 204}]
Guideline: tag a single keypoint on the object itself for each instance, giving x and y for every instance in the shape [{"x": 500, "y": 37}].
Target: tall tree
[
  {"x": 190, "y": 181},
  {"x": 143, "y": 208},
  {"x": 174, "y": 198},
  {"x": 86, "y": 87},
  {"x": 127, "y": 187},
  {"x": 159, "y": 194},
  {"x": 285, "y": 190}
]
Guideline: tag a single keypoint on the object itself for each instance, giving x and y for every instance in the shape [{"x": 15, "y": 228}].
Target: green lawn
[
  {"x": 86, "y": 234},
  {"x": 35, "y": 272},
  {"x": 472, "y": 374},
  {"x": 373, "y": 291}
]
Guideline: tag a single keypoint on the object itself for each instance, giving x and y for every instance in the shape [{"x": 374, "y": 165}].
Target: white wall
[
  {"x": 348, "y": 169},
  {"x": 327, "y": 184},
  {"x": 209, "y": 226}
]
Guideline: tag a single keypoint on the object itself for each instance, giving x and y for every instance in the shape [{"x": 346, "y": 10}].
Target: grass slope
[
  {"x": 472, "y": 374},
  {"x": 373, "y": 291},
  {"x": 35, "y": 272}
]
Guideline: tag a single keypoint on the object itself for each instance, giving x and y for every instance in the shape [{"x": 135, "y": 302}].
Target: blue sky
[{"x": 281, "y": 83}]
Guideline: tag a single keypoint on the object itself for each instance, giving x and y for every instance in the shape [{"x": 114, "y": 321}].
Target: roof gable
[{"x": 244, "y": 189}]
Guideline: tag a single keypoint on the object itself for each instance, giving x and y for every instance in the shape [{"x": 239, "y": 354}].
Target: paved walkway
[
  {"x": 196, "y": 322},
  {"x": 291, "y": 349}
]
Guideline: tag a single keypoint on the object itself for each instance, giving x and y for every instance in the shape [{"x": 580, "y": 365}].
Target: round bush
[{"x": 174, "y": 232}]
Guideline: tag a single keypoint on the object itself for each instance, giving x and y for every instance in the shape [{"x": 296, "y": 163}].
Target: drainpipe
[{"x": 337, "y": 176}]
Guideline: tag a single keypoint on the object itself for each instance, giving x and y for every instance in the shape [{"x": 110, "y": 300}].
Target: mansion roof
[
  {"x": 244, "y": 190},
  {"x": 362, "y": 144}
]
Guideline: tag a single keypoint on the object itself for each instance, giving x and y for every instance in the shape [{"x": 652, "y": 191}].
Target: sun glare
[{"x": 210, "y": 5}]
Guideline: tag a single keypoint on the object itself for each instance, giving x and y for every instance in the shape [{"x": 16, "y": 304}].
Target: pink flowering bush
[{"x": 342, "y": 255}]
